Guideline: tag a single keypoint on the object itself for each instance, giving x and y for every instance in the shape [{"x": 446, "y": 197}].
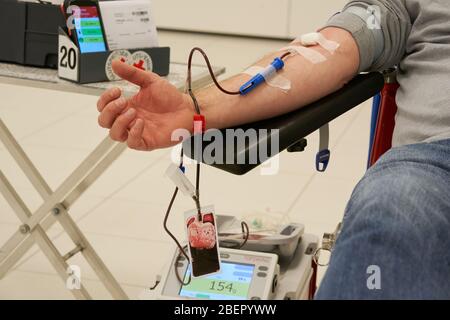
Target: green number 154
[{"x": 221, "y": 286}]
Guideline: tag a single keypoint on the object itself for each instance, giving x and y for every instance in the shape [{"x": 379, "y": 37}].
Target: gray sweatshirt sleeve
[{"x": 380, "y": 28}]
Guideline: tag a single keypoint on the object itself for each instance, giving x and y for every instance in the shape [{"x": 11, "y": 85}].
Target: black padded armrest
[{"x": 292, "y": 127}]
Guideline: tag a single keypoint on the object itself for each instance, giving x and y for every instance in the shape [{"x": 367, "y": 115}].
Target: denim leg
[{"x": 395, "y": 240}]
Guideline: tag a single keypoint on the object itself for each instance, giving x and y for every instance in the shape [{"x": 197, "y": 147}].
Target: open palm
[{"x": 147, "y": 120}]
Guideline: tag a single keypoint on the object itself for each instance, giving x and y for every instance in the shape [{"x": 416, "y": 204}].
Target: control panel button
[
  {"x": 255, "y": 298},
  {"x": 261, "y": 274},
  {"x": 263, "y": 268}
]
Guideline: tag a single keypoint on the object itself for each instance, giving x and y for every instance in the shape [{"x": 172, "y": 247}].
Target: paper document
[{"x": 128, "y": 24}]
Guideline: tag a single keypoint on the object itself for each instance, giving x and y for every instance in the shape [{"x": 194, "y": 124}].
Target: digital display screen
[
  {"x": 89, "y": 31},
  {"x": 232, "y": 283}
]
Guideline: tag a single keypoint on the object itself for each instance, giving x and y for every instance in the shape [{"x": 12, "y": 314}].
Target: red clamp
[{"x": 199, "y": 123}]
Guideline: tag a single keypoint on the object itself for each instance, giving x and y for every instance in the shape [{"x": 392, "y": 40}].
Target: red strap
[
  {"x": 385, "y": 123},
  {"x": 199, "y": 123},
  {"x": 313, "y": 282}
]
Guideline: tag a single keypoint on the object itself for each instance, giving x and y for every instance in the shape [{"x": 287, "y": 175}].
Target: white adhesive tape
[
  {"x": 309, "y": 39},
  {"x": 315, "y": 38},
  {"x": 309, "y": 54},
  {"x": 272, "y": 78},
  {"x": 268, "y": 72}
]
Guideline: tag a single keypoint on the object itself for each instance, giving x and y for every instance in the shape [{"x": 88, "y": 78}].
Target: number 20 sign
[{"x": 68, "y": 55}]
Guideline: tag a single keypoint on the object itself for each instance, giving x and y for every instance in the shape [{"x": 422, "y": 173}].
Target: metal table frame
[{"x": 56, "y": 203}]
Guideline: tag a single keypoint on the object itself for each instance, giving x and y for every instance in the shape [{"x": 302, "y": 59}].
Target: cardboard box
[{"x": 96, "y": 67}]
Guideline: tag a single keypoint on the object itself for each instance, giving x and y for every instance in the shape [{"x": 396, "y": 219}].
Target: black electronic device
[
  {"x": 86, "y": 26},
  {"x": 29, "y": 33}
]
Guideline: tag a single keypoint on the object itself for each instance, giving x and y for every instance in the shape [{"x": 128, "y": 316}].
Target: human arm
[{"x": 146, "y": 121}]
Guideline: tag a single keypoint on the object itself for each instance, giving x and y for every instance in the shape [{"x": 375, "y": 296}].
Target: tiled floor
[{"x": 122, "y": 212}]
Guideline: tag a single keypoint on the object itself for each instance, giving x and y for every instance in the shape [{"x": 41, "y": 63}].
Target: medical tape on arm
[
  {"x": 312, "y": 39},
  {"x": 271, "y": 77},
  {"x": 315, "y": 38},
  {"x": 309, "y": 54}
]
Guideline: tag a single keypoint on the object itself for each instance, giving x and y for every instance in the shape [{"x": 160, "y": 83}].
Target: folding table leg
[
  {"x": 39, "y": 236},
  {"x": 90, "y": 255},
  {"x": 58, "y": 262},
  {"x": 95, "y": 164},
  {"x": 20, "y": 243}
]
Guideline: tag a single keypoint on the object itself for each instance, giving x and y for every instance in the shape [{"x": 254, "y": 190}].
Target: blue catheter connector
[{"x": 274, "y": 67}]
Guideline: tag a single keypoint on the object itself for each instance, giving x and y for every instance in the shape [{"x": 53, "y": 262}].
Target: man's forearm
[{"x": 309, "y": 82}]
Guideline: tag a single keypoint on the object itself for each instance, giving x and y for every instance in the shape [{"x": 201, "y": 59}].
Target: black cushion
[{"x": 292, "y": 127}]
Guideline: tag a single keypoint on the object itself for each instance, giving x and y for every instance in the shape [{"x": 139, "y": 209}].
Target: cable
[
  {"x": 197, "y": 190},
  {"x": 197, "y": 108},
  {"x": 211, "y": 72},
  {"x": 285, "y": 55},
  {"x": 246, "y": 236},
  {"x": 246, "y": 231},
  {"x": 197, "y": 187},
  {"x": 177, "y": 260},
  {"x": 182, "y": 250},
  {"x": 196, "y": 198},
  {"x": 166, "y": 218}
]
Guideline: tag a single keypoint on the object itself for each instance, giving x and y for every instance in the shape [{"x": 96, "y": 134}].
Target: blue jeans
[{"x": 395, "y": 239}]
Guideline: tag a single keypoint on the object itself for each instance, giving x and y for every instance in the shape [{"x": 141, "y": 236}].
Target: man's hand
[{"x": 146, "y": 120}]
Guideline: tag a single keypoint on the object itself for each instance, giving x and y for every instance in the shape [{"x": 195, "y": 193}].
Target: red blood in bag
[
  {"x": 202, "y": 235},
  {"x": 208, "y": 217}
]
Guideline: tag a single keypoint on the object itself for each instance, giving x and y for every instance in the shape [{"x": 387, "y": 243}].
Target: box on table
[{"x": 96, "y": 66}]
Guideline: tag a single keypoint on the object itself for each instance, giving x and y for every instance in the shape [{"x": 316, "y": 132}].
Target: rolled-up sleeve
[{"x": 380, "y": 29}]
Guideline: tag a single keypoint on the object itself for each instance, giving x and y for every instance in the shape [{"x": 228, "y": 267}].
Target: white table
[{"x": 56, "y": 203}]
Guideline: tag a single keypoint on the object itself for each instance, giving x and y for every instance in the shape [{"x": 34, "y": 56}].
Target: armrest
[{"x": 292, "y": 127}]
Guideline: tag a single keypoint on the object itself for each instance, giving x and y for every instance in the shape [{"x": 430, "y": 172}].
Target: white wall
[
  {"x": 267, "y": 18},
  {"x": 308, "y": 15}
]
